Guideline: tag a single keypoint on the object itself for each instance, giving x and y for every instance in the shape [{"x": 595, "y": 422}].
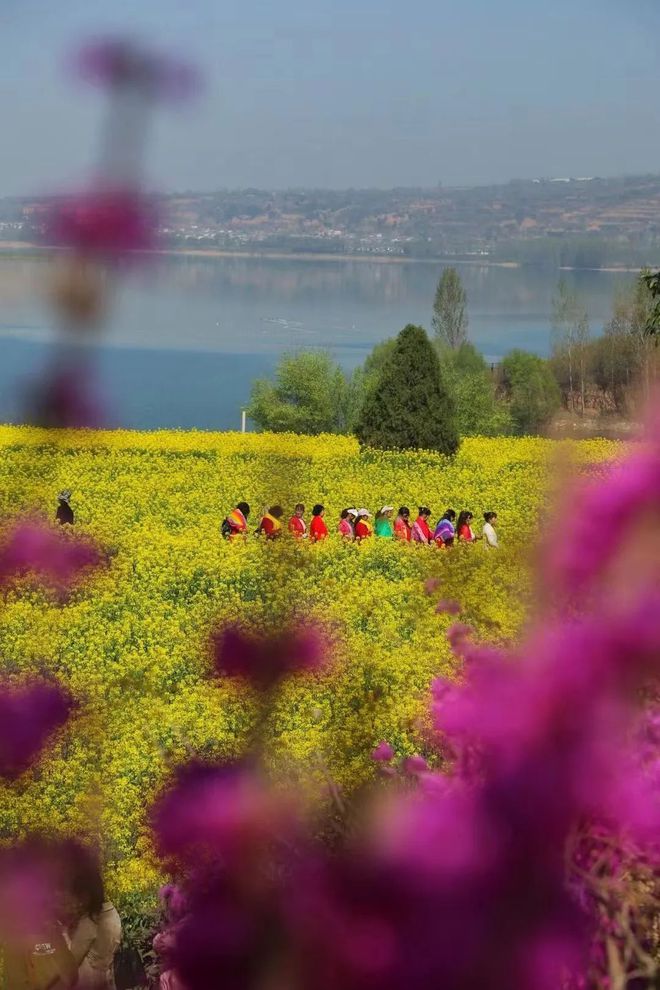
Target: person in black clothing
[{"x": 64, "y": 511}]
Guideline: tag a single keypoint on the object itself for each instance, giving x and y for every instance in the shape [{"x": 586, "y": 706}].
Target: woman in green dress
[{"x": 384, "y": 522}]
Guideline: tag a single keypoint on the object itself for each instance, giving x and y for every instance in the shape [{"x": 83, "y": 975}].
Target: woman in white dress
[{"x": 489, "y": 533}]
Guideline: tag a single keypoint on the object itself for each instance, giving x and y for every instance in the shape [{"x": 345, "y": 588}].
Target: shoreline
[{"x": 21, "y": 247}]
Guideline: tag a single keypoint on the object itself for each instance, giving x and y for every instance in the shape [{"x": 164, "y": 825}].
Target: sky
[{"x": 346, "y": 93}]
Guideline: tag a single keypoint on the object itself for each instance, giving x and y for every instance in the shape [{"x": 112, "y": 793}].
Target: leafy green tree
[
  {"x": 479, "y": 410},
  {"x": 531, "y": 389},
  {"x": 449, "y": 310},
  {"x": 410, "y": 407},
  {"x": 310, "y": 394}
]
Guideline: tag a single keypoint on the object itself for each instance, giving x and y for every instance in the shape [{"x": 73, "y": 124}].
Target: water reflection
[{"x": 244, "y": 305}]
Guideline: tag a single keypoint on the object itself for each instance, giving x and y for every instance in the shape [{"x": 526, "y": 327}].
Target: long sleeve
[{"x": 83, "y": 938}]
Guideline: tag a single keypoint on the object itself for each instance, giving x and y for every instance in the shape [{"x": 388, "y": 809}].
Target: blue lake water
[{"x": 187, "y": 335}]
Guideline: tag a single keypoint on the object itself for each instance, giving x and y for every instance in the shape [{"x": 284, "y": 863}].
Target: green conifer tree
[{"x": 410, "y": 407}]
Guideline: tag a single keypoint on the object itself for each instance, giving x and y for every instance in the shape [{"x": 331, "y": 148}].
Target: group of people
[
  {"x": 353, "y": 524},
  {"x": 357, "y": 524}
]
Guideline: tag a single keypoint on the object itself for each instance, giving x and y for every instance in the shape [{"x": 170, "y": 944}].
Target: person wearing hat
[
  {"x": 363, "y": 526},
  {"x": 64, "y": 514},
  {"x": 346, "y": 527},
  {"x": 384, "y": 522}
]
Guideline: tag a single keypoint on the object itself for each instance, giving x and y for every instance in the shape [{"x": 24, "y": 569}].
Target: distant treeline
[{"x": 607, "y": 374}]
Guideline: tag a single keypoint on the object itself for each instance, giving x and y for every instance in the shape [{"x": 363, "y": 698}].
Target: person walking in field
[
  {"x": 445, "y": 532},
  {"x": 346, "y": 527},
  {"x": 236, "y": 522},
  {"x": 318, "y": 529},
  {"x": 271, "y": 523},
  {"x": 489, "y": 533},
  {"x": 383, "y": 527},
  {"x": 402, "y": 527},
  {"x": 363, "y": 527},
  {"x": 64, "y": 514},
  {"x": 464, "y": 528},
  {"x": 421, "y": 531},
  {"x": 297, "y": 524}
]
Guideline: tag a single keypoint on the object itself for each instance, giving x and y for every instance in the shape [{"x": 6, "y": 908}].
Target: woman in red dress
[
  {"x": 297, "y": 524},
  {"x": 318, "y": 529},
  {"x": 363, "y": 526},
  {"x": 271, "y": 525},
  {"x": 464, "y": 528},
  {"x": 402, "y": 527}
]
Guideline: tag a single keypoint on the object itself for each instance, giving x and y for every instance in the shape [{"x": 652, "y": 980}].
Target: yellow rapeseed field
[{"x": 131, "y": 644}]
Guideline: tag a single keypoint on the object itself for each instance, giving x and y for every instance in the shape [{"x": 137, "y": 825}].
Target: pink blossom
[
  {"x": 104, "y": 223},
  {"x": 265, "y": 660},
  {"x": 383, "y": 753},
  {"x": 59, "y": 559},
  {"x": 449, "y": 606},
  {"x": 457, "y": 635},
  {"x": 225, "y": 809},
  {"x": 29, "y": 714},
  {"x": 414, "y": 765},
  {"x": 67, "y": 398},
  {"x": 431, "y": 585},
  {"x": 119, "y": 63}
]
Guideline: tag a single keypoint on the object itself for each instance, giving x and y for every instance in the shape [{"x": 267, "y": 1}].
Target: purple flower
[
  {"x": 226, "y": 810},
  {"x": 174, "y": 901},
  {"x": 383, "y": 753},
  {"x": 120, "y": 64},
  {"x": 448, "y": 606},
  {"x": 60, "y": 560},
  {"x": 104, "y": 223},
  {"x": 266, "y": 660},
  {"x": 29, "y": 715},
  {"x": 431, "y": 585},
  {"x": 457, "y": 636},
  {"x": 66, "y": 399},
  {"x": 415, "y": 765}
]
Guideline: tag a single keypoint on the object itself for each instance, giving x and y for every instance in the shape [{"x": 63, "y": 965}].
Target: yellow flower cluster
[{"x": 131, "y": 644}]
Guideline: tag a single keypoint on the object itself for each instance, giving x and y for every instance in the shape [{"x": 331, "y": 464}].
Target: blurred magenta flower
[
  {"x": 59, "y": 559},
  {"x": 29, "y": 888},
  {"x": 383, "y": 753},
  {"x": 414, "y": 765},
  {"x": 121, "y": 64},
  {"x": 615, "y": 505},
  {"x": 457, "y": 635},
  {"x": 266, "y": 660},
  {"x": 104, "y": 223},
  {"x": 448, "y": 606},
  {"x": 29, "y": 714},
  {"x": 226, "y": 810},
  {"x": 66, "y": 398},
  {"x": 431, "y": 585}
]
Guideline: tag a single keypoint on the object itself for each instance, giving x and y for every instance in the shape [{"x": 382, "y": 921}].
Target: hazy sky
[{"x": 341, "y": 93}]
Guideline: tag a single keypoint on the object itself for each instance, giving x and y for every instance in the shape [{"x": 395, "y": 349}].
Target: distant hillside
[{"x": 581, "y": 222}]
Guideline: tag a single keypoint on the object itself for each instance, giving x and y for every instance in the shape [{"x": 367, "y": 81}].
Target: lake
[{"x": 187, "y": 335}]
